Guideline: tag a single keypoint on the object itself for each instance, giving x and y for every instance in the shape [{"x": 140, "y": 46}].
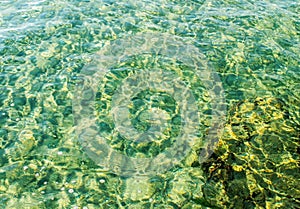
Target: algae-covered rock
[
  {"x": 24, "y": 144},
  {"x": 27, "y": 201},
  {"x": 138, "y": 188},
  {"x": 257, "y": 159},
  {"x": 186, "y": 185}
]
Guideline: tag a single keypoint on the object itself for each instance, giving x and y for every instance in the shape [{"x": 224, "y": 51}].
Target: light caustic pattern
[{"x": 145, "y": 101}]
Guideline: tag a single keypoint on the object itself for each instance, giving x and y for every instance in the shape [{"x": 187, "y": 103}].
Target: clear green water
[{"x": 253, "y": 46}]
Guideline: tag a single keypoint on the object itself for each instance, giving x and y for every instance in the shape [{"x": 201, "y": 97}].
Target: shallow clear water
[{"x": 195, "y": 104}]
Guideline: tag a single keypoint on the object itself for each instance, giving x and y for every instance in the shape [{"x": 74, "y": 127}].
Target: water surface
[{"x": 254, "y": 46}]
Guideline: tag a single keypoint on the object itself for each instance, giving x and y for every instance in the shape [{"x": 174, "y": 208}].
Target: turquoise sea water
[{"x": 250, "y": 86}]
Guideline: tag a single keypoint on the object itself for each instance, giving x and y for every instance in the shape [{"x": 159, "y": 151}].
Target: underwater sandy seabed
[{"x": 253, "y": 46}]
